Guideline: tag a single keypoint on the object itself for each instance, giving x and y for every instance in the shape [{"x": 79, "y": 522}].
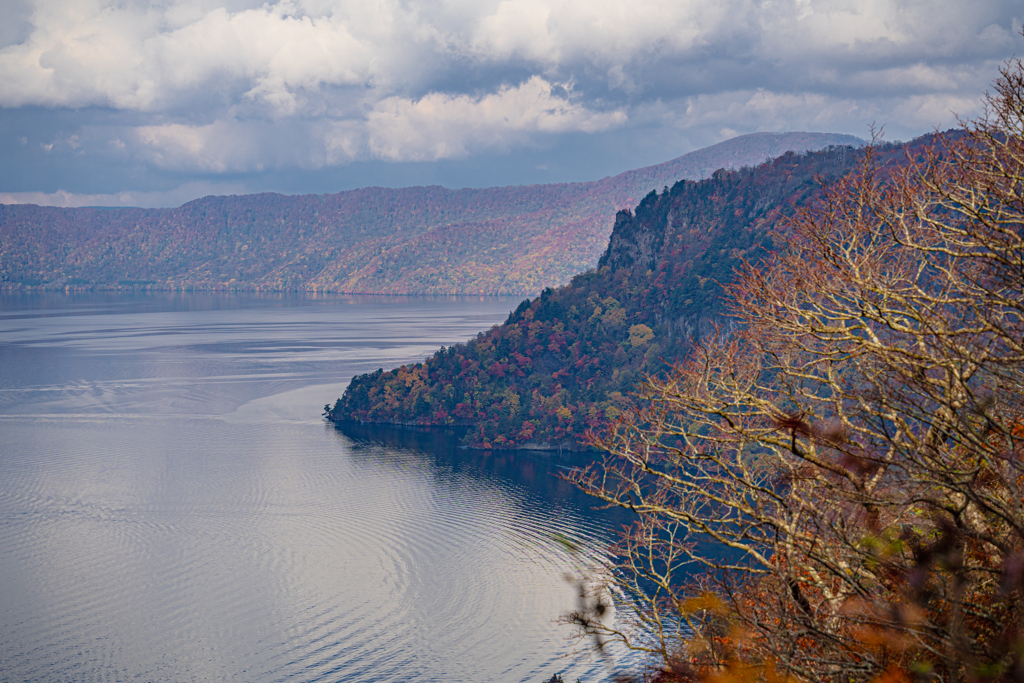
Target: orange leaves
[
  {"x": 705, "y": 602},
  {"x": 894, "y": 674},
  {"x": 750, "y": 673}
]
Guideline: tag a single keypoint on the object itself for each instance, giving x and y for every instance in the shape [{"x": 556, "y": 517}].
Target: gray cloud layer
[{"x": 156, "y": 97}]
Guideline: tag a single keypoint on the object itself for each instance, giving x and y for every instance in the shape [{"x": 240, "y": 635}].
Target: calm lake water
[{"x": 174, "y": 508}]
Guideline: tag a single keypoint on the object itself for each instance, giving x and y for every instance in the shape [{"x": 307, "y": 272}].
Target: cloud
[
  {"x": 219, "y": 147},
  {"x": 436, "y": 126},
  {"x": 152, "y": 199},
  {"x": 769, "y": 110},
  {"x": 604, "y": 32},
  {"x": 440, "y": 126},
  {"x": 249, "y": 86},
  {"x": 281, "y": 57},
  {"x": 129, "y": 56}
]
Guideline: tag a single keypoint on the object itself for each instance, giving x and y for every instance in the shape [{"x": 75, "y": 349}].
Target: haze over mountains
[{"x": 416, "y": 240}]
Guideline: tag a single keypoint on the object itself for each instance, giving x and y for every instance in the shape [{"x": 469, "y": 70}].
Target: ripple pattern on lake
[{"x": 173, "y": 508}]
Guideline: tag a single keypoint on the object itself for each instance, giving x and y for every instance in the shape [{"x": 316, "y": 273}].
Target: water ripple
[{"x": 174, "y": 509}]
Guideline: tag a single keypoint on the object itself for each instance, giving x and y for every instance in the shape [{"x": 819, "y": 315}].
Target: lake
[{"x": 174, "y": 508}]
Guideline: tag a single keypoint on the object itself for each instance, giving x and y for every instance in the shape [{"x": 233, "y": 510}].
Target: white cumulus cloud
[
  {"x": 247, "y": 86},
  {"x": 436, "y": 126},
  {"x": 440, "y": 126}
]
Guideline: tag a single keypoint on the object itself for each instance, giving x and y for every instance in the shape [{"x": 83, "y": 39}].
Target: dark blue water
[{"x": 173, "y": 508}]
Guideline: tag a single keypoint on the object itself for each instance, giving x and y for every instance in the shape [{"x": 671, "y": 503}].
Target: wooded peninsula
[{"x": 564, "y": 362}]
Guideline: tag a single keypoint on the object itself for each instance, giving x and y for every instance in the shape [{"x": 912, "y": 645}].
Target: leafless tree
[{"x": 845, "y": 468}]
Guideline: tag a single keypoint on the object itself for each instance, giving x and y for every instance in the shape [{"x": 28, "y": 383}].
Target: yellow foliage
[
  {"x": 640, "y": 335},
  {"x": 706, "y": 602},
  {"x": 615, "y": 317}
]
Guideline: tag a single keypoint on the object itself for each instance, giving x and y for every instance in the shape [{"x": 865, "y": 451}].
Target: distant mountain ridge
[{"x": 416, "y": 240}]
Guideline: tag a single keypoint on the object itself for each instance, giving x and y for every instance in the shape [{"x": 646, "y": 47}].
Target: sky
[{"x": 126, "y": 103}]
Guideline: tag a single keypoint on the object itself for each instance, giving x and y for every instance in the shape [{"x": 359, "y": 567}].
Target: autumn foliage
[
  {"x": 831, "y": 490},
  {"x": 562, "y": 363},
  {"x": 375, "y": 240}
]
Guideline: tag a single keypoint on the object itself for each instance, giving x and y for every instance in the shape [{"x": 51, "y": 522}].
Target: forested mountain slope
[
  {"x": 417, "y": 240},
  {"x": 562, "y": 362}
]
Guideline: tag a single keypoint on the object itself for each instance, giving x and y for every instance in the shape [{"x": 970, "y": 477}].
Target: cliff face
[
  {"x": 562, "y": 363},
  {"x": 419, "y": 240}
]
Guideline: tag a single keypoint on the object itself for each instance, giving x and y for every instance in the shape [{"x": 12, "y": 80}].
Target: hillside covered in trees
[
  {"x": 833, "y": 491},
  {"x": 563, "y": 362},
  {"x": 418, "y": 240}
]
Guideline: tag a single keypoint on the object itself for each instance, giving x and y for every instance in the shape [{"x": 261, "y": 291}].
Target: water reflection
[
  {"x": 506, "y": 510},
  {"x": 173, "y": 508},
  {"x": 536, "y": 471}
]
